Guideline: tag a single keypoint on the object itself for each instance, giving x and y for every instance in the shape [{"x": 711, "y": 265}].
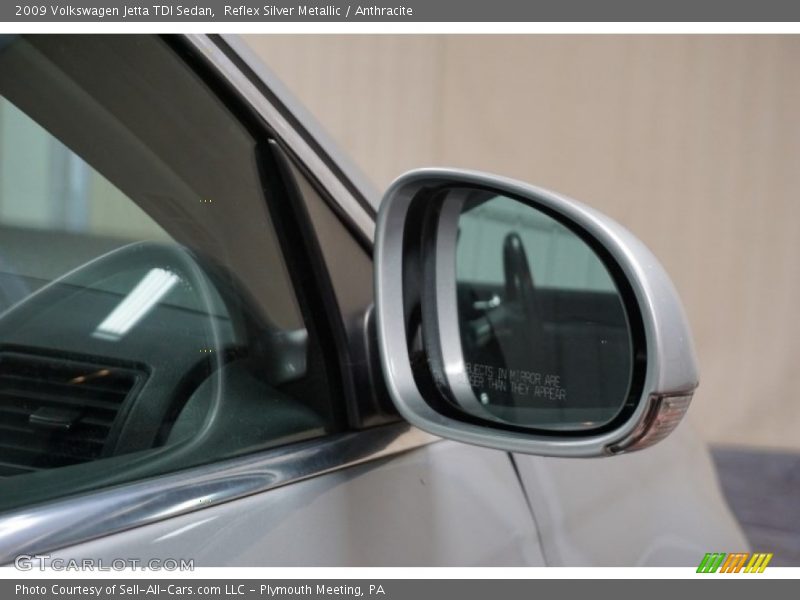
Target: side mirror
[{"x": 511, "y": 317}]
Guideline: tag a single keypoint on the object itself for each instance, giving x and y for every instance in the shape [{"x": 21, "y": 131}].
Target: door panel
[
  {"x": 443, "y": 504},
  {"x": 659, "y": 507}
]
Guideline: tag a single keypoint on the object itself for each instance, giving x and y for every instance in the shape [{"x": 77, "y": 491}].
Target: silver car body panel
[
  {"x": 443, "y": 504},
  {"x": 660, "y": 507},
  {"x": 73, "y": 520}
]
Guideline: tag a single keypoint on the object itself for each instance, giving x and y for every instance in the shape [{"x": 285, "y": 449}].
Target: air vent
[{"x": 56, "y": 412}]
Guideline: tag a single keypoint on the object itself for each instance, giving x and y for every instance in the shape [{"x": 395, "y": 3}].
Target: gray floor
[{"x": 763, "y": 490}]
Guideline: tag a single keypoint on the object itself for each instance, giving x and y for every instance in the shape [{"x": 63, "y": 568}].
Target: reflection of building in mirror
[{"x": 557, "y": 257}]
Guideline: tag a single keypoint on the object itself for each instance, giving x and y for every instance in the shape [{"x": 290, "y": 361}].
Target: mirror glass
[{"x": 545, "y": 340}]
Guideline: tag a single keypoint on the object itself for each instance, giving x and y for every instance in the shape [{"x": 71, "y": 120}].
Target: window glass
[
  {"x": 51, "y": 198},
  {"x": 148, "y": 320}
]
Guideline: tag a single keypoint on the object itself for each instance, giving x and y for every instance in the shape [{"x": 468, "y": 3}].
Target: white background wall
[{"x": 693, "y": 142}]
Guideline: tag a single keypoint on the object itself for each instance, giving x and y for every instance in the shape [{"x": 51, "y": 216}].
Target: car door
[{"x": 187, "y": 364}]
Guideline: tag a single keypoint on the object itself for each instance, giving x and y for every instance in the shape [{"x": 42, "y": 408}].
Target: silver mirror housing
[{"x": 456, "y": 343}]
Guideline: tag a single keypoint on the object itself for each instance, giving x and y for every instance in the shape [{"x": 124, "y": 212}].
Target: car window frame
[{"x": 329, "y": 185}]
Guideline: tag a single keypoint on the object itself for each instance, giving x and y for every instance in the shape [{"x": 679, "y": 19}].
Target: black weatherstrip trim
[
  {"x": 296, "y": 124},
  {"x": 295, "y": 230}
]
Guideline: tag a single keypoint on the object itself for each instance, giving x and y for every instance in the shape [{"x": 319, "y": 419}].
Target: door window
[{"x": 148, "y": 320}]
